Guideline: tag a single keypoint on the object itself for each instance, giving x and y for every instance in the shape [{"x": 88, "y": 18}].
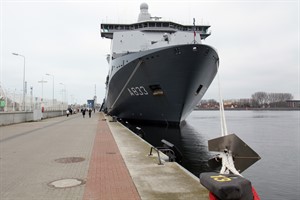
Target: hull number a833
[{"x": 137, "y": 91}]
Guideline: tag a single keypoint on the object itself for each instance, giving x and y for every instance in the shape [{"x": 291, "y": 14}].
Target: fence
[{"x": 12, "y": 101}]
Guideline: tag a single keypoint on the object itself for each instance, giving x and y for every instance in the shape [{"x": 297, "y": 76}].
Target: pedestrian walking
[
  {"x": 83, "y": 112},
  {"x": 67, "y": 113},
  {"x": 90, "y": 113}
]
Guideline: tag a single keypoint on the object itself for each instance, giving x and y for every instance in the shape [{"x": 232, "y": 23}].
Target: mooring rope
[{"x": 222, "y": 112}]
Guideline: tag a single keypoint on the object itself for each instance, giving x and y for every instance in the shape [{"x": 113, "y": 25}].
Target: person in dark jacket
[
  {"x": 83, "y": 112},
  {"x": 90, "y": 113}
]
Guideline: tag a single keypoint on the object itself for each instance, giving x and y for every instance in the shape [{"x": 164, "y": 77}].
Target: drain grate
[
  {"x": 70, "y": 160},
  {"x": 66, "y": 183}
]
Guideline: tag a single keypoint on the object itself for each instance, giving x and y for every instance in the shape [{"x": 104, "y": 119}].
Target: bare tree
[
  {"x": 272, "y": 99},
  {"x": 279, "y": 97},
  {"x": 260, "y": 98}
]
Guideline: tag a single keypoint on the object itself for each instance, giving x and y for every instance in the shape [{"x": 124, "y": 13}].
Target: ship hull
[{"x": 160, "y": 85}]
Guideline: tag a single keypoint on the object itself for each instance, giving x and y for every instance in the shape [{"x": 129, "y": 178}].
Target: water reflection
[{"x": 187, "y": 140}]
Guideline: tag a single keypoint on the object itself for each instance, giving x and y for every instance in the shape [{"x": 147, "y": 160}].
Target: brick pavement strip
[{"x": 108, "y": 176}]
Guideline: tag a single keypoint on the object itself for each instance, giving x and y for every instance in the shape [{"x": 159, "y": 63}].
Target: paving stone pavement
[
  {"x": 28, "y": 153},
  {"x": 113, "y": 163}
]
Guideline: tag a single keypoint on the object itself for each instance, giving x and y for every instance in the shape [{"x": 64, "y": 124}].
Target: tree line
[
  {"x": 257, "y": 100},
  {"x": 269, "y": 99}
]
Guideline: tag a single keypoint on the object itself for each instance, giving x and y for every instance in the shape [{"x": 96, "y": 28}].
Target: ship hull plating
[{"x": 161, "y": 85}]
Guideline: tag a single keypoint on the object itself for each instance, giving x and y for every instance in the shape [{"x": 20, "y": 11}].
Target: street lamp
[
  {"x": 24, "y": 89},
  {"x": 52, "y": 89},
  {"x": 63, "y": 91},
  {"x": 63, "y": 94},
  {"x": 42, "y": 82}
]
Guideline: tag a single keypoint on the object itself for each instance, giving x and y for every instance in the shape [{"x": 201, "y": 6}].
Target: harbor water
[{"x": 274, "y": 135}]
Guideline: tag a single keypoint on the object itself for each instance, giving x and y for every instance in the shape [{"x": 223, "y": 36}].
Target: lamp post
[
  {"x": 31, "y": 98},
  {"x": 14, "y": 101},
  {"x": 52, "y": 89},
  {"x": 42, "y": 82},
  {"x": 63, "y": 94},
  {"x": 24, "y": 89}
]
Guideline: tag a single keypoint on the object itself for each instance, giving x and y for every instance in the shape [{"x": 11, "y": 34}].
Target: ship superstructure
[{"x": 158, "y": 70}]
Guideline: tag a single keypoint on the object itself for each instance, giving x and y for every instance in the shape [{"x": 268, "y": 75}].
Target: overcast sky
[{"x": 257, "y": 42}]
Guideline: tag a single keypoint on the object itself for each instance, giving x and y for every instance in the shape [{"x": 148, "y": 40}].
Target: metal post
[
  {"x": 52, "y": 89},
  {"x": 42, "y": 82},
  {"x": 31, "y": 96},
  {"x": 5, "y": 108},
  {"x": 24, "y": 107},
  {"x": 14, "y": 100},
  {"x": 63, "y": 96}
]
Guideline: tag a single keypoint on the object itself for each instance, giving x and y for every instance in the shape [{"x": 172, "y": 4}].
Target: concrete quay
[{"x": 90, "y": 158}]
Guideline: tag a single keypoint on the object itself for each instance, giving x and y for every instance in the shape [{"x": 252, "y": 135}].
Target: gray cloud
[{"x": 258, "y": 43}]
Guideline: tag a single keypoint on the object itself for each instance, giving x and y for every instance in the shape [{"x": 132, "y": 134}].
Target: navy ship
[{"x": 158, "y": 70}]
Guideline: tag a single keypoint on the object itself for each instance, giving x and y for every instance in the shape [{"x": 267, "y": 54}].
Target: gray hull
[{"x": 162, "y": 85}]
